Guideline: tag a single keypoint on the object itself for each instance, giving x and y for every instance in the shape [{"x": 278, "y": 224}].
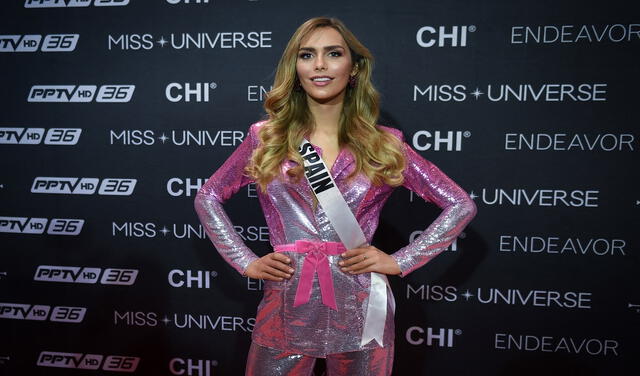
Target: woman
[{"x": 322, "y": 297}]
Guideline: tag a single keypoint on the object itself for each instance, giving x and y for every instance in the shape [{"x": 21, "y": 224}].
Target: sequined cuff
[{"x": 245, "y": 264}]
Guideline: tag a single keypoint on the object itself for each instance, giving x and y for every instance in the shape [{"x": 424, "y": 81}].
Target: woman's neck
[{"x": 326, "y": 117}]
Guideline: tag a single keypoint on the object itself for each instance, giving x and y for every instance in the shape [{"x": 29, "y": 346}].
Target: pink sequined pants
[{"x": 264, "y": 361}]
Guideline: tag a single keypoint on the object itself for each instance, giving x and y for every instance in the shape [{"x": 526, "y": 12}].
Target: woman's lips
[{"x": 321, "y": 80}]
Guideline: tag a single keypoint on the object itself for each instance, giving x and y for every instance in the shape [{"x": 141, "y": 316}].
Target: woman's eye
[
  {"x": 335, "y": 53},
  {"x": 304, "y": 55}
]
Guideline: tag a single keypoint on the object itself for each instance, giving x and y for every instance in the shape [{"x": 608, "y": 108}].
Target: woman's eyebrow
[{"x": 327, "y": 48}]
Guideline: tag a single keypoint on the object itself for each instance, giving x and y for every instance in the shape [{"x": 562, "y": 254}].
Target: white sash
[{"x": 351, "y": 235}]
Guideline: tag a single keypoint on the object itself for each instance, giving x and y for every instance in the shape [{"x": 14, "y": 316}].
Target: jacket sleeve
[
  {"x": 425, "y": 179},
  {"x": 223, "y": 184}
]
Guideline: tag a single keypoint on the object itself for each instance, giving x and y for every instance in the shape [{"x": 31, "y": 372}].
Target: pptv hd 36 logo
[
  {"x": 77, "y": 274},
  {"x": 34, "y": 136},
  {"x": 35, "y": 42},
  {"x": 73, "y": 3},
  {"x": 83, "y": 186},
  {"x": 29, "y": 225},
  {"x": 81, "y": 93},
  {"x": 41, "y": 312},
  {"x": 116, "y": 363}
]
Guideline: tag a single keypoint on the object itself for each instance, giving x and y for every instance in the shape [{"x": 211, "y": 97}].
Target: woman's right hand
[{"x": 273, "y": 267}]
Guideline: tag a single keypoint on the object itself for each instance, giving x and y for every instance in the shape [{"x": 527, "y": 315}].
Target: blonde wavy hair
[{"x": 378, "y": 154}]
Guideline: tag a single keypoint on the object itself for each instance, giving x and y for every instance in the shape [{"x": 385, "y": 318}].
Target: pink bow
[{"x": 315, "y": 261}]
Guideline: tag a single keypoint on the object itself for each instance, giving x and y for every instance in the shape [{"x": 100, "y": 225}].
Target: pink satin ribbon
[{"x": 315, "y": 262}]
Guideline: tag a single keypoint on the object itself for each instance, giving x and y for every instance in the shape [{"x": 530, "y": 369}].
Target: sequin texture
[
  {"x": 374, "y": 362},
  {"x": 314, "y": 329}
]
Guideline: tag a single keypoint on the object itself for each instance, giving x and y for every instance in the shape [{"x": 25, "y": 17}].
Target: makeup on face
[{"x": 324, "y": 65}]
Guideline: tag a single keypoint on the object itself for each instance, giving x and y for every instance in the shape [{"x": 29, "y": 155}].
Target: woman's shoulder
[
  {"x": 255, "y": 127},
  {"x": 254, "y": 130}
]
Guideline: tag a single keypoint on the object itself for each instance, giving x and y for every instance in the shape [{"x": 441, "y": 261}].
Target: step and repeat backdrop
[{"x": 115, "y": 112}]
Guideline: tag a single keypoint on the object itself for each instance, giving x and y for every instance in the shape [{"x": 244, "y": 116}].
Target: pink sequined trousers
[{"x": 264, "y": 361}]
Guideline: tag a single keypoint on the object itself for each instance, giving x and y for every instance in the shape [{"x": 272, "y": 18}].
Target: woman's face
[{"x": 324, "y": 65}]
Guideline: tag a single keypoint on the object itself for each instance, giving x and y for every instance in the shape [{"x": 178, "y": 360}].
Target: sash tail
[{"x": 377, "y": 310}]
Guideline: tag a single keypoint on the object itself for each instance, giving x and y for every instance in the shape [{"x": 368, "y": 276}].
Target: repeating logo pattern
[{"x": 111, "y": 124}]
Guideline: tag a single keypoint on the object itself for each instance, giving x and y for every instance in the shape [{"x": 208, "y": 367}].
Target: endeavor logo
[
  {"x": 83, "y": 186},
  {"x": 590, "y": 346},
  {"x": 549, "y": 92},
  {"x": 28, "y": 225},
  {"x": 77, "y": 274},
  {"x": 257, "y": 93},
  {"x": 73, "y": 3},
  {"x": 147, "y": 137},
  {"x": 254, "y": 284},
  {"x": 569, "y": 142},
  {"x": 115, "y": 363},
  {"x": 547, "y": 34},
  {"x": 179, "y": 41},
  {"x": 31, "y": 43},
  {"x": 41, "y": 312},
  {"x": 539, "y": 197},
  {"x": 34, "y": 136},
  {"x": 427, "y": 36},
  {"x": 535, "y": 298},
  {"x": 81, "y": 93},
  {"x": 557, "y": 245}
]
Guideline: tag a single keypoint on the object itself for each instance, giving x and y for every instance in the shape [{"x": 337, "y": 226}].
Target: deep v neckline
[
  {"x": 334, "y": 161},
  {"x": 321, "y": 152}
]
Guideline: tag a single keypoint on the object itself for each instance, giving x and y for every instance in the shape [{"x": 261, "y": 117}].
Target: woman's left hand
[{"x": 368, "y": 259}]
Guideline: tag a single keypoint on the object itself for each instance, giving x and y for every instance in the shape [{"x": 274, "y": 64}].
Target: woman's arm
[
  {"x": 224, "y": 183},
  {"x": 426, "y": 180}
]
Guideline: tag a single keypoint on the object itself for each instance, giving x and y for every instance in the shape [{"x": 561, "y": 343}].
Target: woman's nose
[{"x": 320, "y": 63}]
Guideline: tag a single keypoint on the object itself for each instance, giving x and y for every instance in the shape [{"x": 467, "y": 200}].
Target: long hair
[{"x": 378, "y": 154}]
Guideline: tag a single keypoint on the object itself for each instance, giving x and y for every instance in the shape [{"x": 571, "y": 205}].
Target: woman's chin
[{"x": 326, "y": 98}]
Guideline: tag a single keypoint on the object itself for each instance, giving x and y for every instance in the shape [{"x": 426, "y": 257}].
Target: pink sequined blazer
[{"x": 313, "y": 328}]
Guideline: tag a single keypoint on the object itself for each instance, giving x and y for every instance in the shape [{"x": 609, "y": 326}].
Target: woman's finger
[
  {"x": 365, "y": 269},
  {"x": 276, "y": 264},
  {"x": 280, "y": 257},
  {"x": 351, "y": 252},
  {"x": 360, "y": 266},
  {"x": 276, "y": 272},
  {"x": 356, "y": 258}
]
